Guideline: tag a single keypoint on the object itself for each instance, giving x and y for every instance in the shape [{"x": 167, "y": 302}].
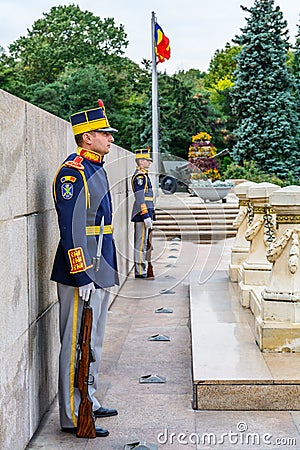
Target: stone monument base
[
  {"x": 277, "y": 336},
  {"x": 238, "y": 256},
  {"x": 250, "y": 277}
]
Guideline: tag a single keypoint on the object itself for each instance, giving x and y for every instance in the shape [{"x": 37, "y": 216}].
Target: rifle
[
  {"x": 150, "y": 273},
  {"x": 86, "y": 420}
]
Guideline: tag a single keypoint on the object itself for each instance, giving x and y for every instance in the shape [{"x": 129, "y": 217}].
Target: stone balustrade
[
  {"x": 256, "y": 268},
  {"x": 277, "y": 323},
  {"x": 241, "y": 246}
]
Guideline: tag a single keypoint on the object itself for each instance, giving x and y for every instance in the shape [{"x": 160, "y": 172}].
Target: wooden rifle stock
[
  {"x": 86, "y": 420},
  {"x": 150, "y": 273}
]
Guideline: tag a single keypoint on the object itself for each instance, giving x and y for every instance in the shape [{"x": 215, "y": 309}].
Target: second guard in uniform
[{"x": 143, "y": 210}]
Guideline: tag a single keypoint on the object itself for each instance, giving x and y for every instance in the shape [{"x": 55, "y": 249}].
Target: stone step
[
  {"x": 187, "y": 201},
  {"x": 202, "y": 206},
  {"x": 168, "y": 216},
  {"x": 207, "y": 235},
  {"x": 192, "y": 222},
  {"x": 229, "y": 371},
  {"x": 203, "y": 216},
  {"x": 198, "y": 212},
  {"x": 194, "y": 212},
  {"x": 200, "y": 226}
]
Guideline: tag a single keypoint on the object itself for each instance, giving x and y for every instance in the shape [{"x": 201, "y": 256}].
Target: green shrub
[
  {"x": 226, "y": 161},
  {"x": 251, "y": 172}
]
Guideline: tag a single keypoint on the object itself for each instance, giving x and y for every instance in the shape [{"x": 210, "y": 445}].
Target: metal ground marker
[
  {"x": 152, "y": 379},
  {"x": 159, "y": 337},
  {"x": 140, "y": 446},
  {"x": 167, "y": 291},
  {"x": 164, "y": 310}
]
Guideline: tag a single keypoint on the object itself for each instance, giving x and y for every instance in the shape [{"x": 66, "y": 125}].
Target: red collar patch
[{"x": 90, "y": 155}]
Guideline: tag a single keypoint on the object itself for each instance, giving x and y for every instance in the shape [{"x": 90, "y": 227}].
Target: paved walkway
[{"x": 162, "y": 414}]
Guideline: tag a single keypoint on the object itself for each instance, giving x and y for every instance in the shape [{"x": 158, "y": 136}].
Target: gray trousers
[
  {"x": 140, "y": 248},
  {"x": 69, "y": 322}
]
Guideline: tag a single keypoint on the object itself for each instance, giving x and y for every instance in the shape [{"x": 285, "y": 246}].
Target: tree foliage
[
  {"x": 222, "y": 65},
  {"x": 70, "y": 58},
  {"x": 296, "y": 67},
  {"x": 218, "y": 83},
  {"x": 267, "y": 129},
  {"x": 64, "y": 35}
]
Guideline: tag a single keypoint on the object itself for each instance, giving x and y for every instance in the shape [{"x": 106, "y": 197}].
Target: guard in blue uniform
[
  {"x": 143, "y": 210},
  {"x": 84, "y": 209}
]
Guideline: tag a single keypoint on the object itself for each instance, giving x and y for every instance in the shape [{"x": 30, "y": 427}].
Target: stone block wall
[{"x": 32, "y": 146}]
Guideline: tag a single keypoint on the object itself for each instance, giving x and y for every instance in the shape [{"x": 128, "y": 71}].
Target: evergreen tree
[
  {"x": 296, "y": 67},
  {"x": 267, "y": 128}
]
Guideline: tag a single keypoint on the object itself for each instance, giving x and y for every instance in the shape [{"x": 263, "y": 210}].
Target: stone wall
[{"x": 33, "y": 144}]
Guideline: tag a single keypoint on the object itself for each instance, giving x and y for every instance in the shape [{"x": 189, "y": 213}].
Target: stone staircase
[{"x": 188, "y": 217}]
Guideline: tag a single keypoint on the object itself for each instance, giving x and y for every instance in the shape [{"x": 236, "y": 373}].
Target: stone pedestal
[
  {"x": 277, "y": 327},
  {"x": 256, "y": 268},
  {"x": 241, "y": 246}
]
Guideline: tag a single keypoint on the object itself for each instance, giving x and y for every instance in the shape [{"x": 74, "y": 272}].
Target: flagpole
[{"x": 154, "y": 109}]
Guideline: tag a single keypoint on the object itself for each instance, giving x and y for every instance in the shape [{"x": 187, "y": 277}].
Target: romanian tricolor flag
[{"x": 162, "y": 44}]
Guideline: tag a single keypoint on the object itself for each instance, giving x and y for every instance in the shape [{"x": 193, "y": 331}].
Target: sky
[{"x": 196, "y": 28}]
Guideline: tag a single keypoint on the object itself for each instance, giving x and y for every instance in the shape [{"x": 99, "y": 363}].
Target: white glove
[
  {"x": 148, "y": 222},
  {"x": 86, "y": 290}
]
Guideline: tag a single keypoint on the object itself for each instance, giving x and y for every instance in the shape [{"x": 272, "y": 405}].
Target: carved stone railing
[
  {"x": 277, "y": 325},
  {"x": 260, "y": 233},
  {"x": 244, "y": 218}
]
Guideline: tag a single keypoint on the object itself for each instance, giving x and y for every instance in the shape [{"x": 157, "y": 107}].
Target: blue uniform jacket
[
  {"x": 143, "y": 206},
  {"x": 82, "y": 198}
]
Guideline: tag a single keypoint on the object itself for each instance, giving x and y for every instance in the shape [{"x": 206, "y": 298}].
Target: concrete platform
[{"x": 229, "y": 370}]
